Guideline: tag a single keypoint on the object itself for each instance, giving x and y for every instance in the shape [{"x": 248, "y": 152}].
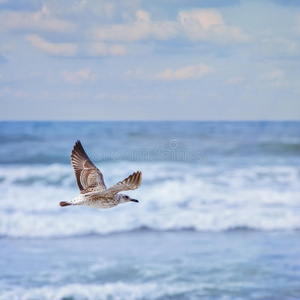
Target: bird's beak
[{"x": 134, "y": 200}]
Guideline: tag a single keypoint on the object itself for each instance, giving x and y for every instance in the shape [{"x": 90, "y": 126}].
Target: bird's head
[{"x": 124, "y": 198}]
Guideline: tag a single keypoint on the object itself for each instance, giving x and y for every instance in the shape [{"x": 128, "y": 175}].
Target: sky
[{"x": 150, "y": 60}]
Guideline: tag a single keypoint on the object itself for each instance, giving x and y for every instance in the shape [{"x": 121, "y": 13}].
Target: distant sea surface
[{"x": 218, "y": 217}]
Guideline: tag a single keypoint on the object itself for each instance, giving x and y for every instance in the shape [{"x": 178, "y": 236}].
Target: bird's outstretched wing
[
  {"x": 132, "y": 182},
  {"x": 88, "y": 177}
]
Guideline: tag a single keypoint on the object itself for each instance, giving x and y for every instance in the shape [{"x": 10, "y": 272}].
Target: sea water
[{"x": 218, "y": 217}]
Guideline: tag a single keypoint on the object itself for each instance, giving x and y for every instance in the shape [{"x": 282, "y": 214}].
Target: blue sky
[{"x": 150, "y": 60}]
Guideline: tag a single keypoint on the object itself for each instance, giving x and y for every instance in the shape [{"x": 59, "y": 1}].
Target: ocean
[{"x": 218, "y": 214}]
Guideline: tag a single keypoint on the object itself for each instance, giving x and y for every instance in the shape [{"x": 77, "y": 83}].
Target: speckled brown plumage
[{"x": 93, "y": 191}]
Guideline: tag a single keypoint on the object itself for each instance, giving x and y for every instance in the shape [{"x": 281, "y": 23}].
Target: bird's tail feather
[{"x": 64, "y": 203}]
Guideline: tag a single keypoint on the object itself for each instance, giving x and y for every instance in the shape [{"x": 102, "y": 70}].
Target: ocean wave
[
  {"x": 63, "y": 175},
  {"x": 118, "y": 290},
  {"x": 55, "y": 174},
  {"x": 172, "y": 197},
  {"x": 80, "y": 221},
  {"x": 161, "y": 154}
]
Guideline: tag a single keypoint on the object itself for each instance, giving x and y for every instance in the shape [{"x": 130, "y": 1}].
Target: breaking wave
[
  {"x": 172, "y": 197},
  {"x": 118, "y": 290}
]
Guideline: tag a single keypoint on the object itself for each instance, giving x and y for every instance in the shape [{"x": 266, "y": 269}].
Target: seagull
[{"x": 93, "y": 192}]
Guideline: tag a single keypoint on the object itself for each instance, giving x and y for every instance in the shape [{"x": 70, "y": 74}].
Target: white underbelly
[{"x": 99, "y": 204}]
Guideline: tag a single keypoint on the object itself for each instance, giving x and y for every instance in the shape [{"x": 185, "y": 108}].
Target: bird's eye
[{"x": 126, "y": 197}]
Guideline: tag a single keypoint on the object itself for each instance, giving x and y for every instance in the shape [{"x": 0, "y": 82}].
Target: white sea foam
[
  {"x": 172, "y": 197},
  {"x": 117, "y": 291}
]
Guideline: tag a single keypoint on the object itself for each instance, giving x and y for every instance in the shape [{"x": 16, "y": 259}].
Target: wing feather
[
  {"x": 132, "y": 182},
  {"x": 88, "y": 176}
]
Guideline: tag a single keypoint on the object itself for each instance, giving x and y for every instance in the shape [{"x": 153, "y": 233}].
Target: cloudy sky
[{"x": 150, "y": 60}]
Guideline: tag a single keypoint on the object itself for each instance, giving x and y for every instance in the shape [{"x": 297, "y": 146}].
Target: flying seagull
[{"x": 93, "y": 192}]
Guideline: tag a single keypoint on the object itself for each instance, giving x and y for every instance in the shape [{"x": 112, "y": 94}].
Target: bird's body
[
  {"x": 93, "y": 192},
  {"x": 94, "y": 199}
]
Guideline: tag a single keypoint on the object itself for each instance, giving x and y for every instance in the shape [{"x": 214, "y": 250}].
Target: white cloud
[
  {"x": 60, "y": 49},
  {"x": 8, "y": 47},
  {"x": 189, "y": 72},
  {"x": 6, "y": 92},
  {"x": 209, "y": 24},
  {"x": 143, "y": 16},
  {"x": 235, "y": 80},
  {"x": 205, "y": 18},
  {"x": 140, "y": 29},
  {"x": 274, "y": 45},
  {"x": 278, "y": 78},
  {"x": 78, "y": 77},
  {"x": 102, "y": 49},
  {"x": 117, "y": 49},
  {"x": 36, "y": 21},
  {"x": 193, "y": 24},
  {"x": 276, "y": 74}
]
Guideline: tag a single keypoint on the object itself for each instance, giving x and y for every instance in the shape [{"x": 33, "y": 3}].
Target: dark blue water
[{"x": 218, "y": 216}]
